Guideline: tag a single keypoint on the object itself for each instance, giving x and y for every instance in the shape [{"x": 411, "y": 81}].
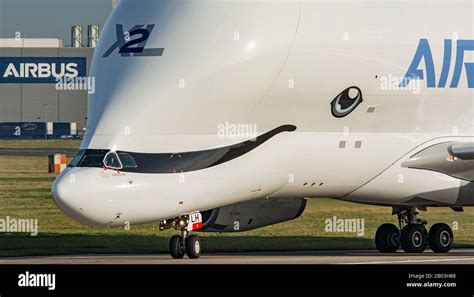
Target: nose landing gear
[
  {"x": 184, "y": 243},
  {"x": 177, "y": 249},
  {"x": 413, "y": 237}
]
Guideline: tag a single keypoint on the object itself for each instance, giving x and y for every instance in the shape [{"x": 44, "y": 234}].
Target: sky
[{"x": 50, "y": 18}]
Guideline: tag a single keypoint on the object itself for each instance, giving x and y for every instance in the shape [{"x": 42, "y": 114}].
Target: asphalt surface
[
  {"x": 456, "y": 256},
  {"x": 36, "y": 151}
]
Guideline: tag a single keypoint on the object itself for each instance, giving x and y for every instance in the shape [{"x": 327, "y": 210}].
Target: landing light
[{"x": 451, "y": 158}]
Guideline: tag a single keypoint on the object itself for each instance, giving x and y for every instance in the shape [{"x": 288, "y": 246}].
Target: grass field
[{"x": 25, "y": 193}]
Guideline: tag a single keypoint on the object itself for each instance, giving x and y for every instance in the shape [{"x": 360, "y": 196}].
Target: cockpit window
[
  {"x": 77, "y": 159},
  {"x": 111, "y": 160},
  {"x": 88, "y": 158},
  {"x": 127, "y": 160},
  {"x": 92, "y": 160},
  {"x": 101, "y": 158}
]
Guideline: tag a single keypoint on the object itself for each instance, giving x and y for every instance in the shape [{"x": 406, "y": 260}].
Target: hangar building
[{"x": 32, "y": 103}]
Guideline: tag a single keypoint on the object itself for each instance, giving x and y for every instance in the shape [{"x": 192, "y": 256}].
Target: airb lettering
[
  {"x": 424, "y": 53},
  {"x": 41, "y": 70}
]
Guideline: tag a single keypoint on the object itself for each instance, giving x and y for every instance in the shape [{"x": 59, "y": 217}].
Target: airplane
[{"x": 226, "y": 116}]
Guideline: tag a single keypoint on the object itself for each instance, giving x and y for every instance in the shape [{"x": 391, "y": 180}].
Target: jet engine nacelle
[{"x": 252, "y": 214}]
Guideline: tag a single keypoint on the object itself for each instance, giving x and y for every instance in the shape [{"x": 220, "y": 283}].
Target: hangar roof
[{"x": 31, "y": 42}]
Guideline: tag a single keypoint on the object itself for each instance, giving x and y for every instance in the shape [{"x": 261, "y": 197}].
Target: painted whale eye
[{"x": 346, "y": 102}]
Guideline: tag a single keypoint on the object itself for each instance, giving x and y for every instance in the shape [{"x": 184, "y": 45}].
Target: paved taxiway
[
  {"x": 456, "y": 256},
  {"x": 36, "y": 151}
]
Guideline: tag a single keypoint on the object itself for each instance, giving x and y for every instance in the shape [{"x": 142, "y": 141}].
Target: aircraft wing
[{"x": 455, "y": 159}]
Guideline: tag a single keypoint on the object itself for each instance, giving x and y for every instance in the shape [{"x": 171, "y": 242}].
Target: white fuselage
[{"x": 265, "y": 64}]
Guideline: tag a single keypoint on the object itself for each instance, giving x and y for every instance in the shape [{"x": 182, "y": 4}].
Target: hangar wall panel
[
  {"x": 40, "y": 103},
  {"x": 73, "y": 107},
  {"x": 10, "y": 103}
]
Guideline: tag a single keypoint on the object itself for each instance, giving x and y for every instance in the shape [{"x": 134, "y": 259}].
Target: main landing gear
[
  {"x": 413, "y": 237},
  {"x": 184, "y": 243}
]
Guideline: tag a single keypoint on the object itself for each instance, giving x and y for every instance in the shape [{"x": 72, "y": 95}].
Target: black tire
[
  {"x": 176, "y": 247},
  {"x": 413, "y": 238},
  {"x": 193, "y": 247},
  {"x": 387, "y": 238},
  {"x": 440, "y": 238}
]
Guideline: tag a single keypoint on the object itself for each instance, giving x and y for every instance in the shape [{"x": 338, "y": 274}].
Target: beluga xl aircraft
[{"x": 226, "y": 116}]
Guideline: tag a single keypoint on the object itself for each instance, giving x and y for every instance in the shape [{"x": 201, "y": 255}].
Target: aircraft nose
[{"x": 70, "y": 191}]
